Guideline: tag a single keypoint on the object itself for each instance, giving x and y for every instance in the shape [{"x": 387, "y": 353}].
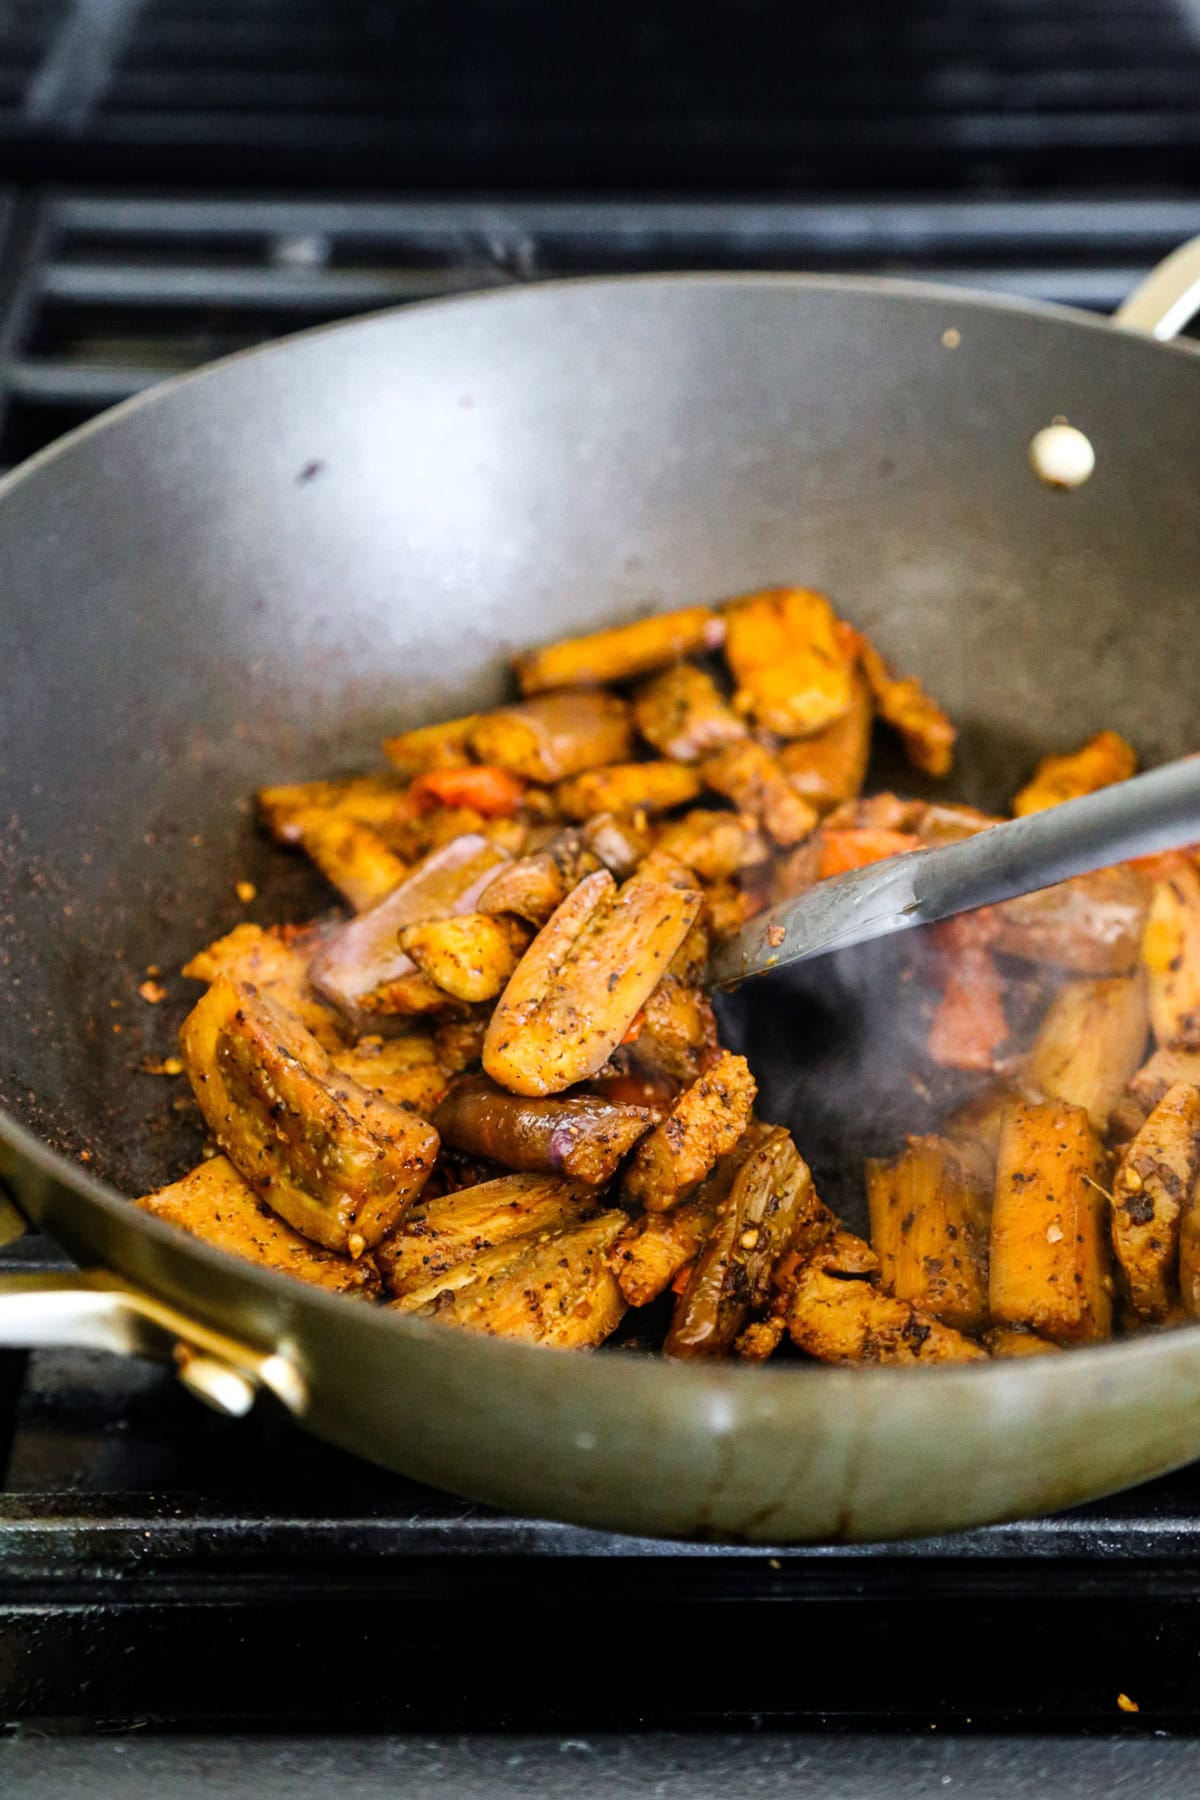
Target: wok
[{"x": 251, "y": 574}]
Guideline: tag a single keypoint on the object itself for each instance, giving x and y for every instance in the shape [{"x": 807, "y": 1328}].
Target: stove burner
[{"x": 160, "y": 1565}]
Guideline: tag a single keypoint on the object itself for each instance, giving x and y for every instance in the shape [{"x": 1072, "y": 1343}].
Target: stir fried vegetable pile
[{"x": 496, "y": 1095}]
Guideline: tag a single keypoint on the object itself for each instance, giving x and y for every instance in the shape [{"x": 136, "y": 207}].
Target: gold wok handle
[
  {"x": 12, "y": 1225},
  {"x": 88, "y": 1309},
  {"x": 1168, "y": 298}
]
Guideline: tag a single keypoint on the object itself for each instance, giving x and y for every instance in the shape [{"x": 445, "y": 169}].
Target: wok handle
[
  {"x": 12, "y": 1223},
  {"x": 91, "y": 1310},
  {"x": 1168, "y": 298}
]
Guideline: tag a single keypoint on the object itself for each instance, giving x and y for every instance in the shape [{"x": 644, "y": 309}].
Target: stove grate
[{"x": 111, "y": 293}]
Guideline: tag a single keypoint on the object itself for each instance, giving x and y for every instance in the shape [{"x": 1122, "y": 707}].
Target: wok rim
[{"x": 697, "y": 1379}]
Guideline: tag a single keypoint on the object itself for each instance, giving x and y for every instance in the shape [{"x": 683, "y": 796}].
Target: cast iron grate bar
[{"x": 120, "y": 291}]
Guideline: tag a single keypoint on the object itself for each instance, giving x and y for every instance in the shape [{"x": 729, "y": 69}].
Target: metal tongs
[{"x": 1141, "y": 817}]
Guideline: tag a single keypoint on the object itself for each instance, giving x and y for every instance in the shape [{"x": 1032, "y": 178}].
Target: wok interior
[{"x": 254, "y": 577}]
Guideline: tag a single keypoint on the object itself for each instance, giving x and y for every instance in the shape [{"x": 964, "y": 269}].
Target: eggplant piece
[
  {"x": 469, "y": 957},
  {"x": 530, "y": 888},
  {"x": 1090, "y": 1042},
  {"x": 214, "y": 1203},
  {"x": 458, "y": 1042},
  {"x": 839, "y": 1314},
  {"x": 275, "y": 963},
  {"x": 377, "y": 801},
  {"x": 878, "y": 812},
  {"x": 578, "y": 988},
  {"x": 1091, "y": 925},
  {"x": 716, "y": 845},
  {"x": 1171, "y": 953},
  {"x": 1049, "y": 1253},
  {"x": 926, "y": 732},
  {"x": 559, "y": 1292},
  {"x": 684, "y": 715},
  {"x": 969, "y": 1025},
  {"x": 620, "y": 840},
  {"x": 944, "y": 822},
  {"x": 974, "y": 1128},
  {"x": 758, "y": 1341},
  {"x": 403, "y": 1070},
  {"x": 651, "y": 1252},
  {"x": 440, "y": 1242},
  {"x": 439, "y": 826},
  {"x": 929, "y": 1228},
  {"x": 705, "y": 1123},
  {"x": 581, "y": 1136},
  {"x": 1189, "y": 1254},
  {"x": 678, "y": 1034},
  {"x": 790, "y": 662},
  {"x": 1160, "y": 1072},
  {"x": 353, "y": 857},
  {"x": 791, "y": 874},
  {"x": 728, "y": 906},
  {"x": 830, "y": 767},
  {"x": 553, "y": 736},
  {"x": 442, "y": 746},
  {"x": 628, "y": 787},
  {"x": 535, "y": 885},
  {"x": 755, "y": 781},
  {"x": 1152, "y": 1185},
  {"x": 331, "y": 1158},
  {"x": 622, "y": 651},
  {"x": 358, "y": 969},
  {"x": 1105, "y": 759},
  {"x": 771, "y": 1207}
]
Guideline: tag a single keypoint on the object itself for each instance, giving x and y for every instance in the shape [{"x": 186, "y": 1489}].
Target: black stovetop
[{"x": 163, "y": 1567}]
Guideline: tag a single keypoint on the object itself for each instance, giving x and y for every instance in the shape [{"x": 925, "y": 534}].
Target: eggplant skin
[
  {"x": 581, "y": 1136},
  {"x": 772, "y": 1207},
  {"x": 214, "y": 1203},
  {"x": 334, "y": 1160},
  {"x": 361, "y": 969}
]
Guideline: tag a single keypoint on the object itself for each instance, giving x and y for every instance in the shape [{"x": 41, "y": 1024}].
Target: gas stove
[
  {"x": 188, "y": 179},
  {"x": 161, "y": 1567}
]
